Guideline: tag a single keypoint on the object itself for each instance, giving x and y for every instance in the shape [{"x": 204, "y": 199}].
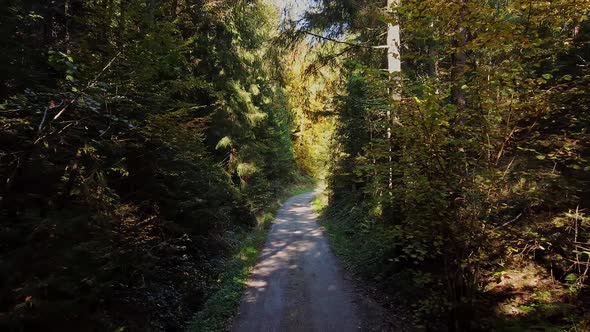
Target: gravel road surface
[{"x": 297, "y": 285}]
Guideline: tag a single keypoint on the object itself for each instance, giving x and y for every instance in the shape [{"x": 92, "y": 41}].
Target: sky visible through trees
[{"x": 294, "y": 9}]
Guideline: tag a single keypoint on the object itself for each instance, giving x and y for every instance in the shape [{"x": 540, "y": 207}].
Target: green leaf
[
  {"x": 224, "y": 143},
  {"x": 571, "y": 278},
  {"x": 35, "y": 16}
]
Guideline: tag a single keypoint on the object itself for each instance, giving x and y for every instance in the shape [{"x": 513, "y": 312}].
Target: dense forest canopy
[{"x": 142, "y": 142}]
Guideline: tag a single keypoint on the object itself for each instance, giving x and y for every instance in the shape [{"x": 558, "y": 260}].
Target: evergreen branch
[{"x": 335, "y": 40}]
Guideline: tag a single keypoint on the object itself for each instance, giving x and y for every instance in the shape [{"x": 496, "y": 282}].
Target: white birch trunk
[{"x": 394, "y": 66}]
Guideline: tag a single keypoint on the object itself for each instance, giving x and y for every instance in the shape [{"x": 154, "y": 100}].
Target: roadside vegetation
[
  {"x": 143, "y": 148},
  {"x": 459, "y": 185}
]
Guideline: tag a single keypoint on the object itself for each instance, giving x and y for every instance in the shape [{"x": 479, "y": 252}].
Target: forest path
[{"x": 297, "y": 285}]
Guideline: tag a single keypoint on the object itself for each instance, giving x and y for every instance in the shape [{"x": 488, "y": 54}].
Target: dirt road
[{"x": 297, "y": 285}]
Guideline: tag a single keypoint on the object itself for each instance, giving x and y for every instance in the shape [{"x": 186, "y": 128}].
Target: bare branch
[
  {"x": 509, "y": 222},
  {"x": 90, "y": 84}
]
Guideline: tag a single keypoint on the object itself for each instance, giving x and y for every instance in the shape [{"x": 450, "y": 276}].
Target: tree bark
[
  {"x": 151, "y": 4},
  {"x": 394, "y": 67},
  {"x": 174, "y": 8},
  {"x": 459, "y": 64}
]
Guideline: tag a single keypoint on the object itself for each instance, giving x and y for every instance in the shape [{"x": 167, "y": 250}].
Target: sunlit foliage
[{"x": 488, "y": 149}]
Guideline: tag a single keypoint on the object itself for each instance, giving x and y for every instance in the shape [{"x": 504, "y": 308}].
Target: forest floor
[{"x": 298, "y": 283}]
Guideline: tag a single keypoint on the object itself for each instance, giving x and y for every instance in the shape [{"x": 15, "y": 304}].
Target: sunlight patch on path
[{"x": 297, "y": 284}]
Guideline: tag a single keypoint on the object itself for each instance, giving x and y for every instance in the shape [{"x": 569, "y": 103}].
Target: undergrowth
[{"x": 522, "y": 296}]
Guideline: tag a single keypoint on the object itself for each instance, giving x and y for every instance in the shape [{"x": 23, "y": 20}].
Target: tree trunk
[
  {"x": 174, "y": 8},
  {"x": 394, "y": 64},
  {"x": 151, "y": 4},
  {"x": 394, "y": 67},
  {"x": 458, "y": 65}
]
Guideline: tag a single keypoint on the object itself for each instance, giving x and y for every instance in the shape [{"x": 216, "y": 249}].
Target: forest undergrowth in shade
[{"x": 140, "y": 143}]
